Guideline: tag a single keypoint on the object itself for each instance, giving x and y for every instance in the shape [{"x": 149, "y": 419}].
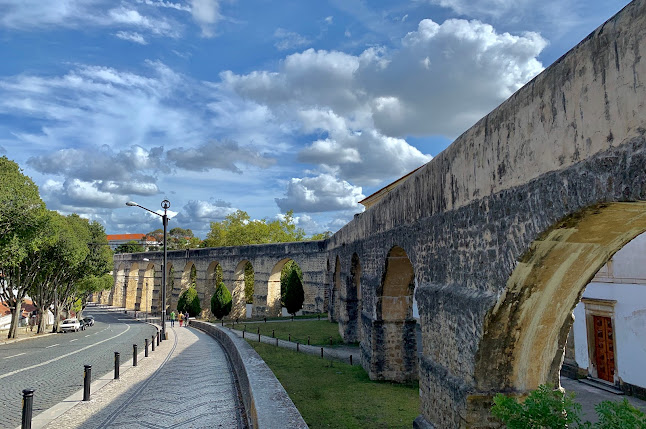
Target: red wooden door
[{"x": 604, "y": 348}]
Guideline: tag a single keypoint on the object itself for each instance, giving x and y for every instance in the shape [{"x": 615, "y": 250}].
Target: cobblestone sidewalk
[{"x": 187, "y": 383}]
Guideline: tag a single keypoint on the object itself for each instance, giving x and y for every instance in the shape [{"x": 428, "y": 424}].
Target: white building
[{"x": 608, "y": 339}]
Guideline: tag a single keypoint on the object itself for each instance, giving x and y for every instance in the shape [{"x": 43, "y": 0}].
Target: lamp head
[{"x": 131, "y": 204}]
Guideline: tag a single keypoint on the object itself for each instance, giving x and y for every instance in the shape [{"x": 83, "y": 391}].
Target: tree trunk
[
  {"x": 42, "y": 320},
  {"x": 15, "y": 319},
  {"x": 57, "y": 317}
]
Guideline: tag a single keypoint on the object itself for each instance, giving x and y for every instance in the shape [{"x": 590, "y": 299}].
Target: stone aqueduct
[{"x": 495, "y": 238}]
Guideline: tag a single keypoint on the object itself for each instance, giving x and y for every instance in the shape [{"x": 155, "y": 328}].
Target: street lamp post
[{"x": 165, "y": 205}]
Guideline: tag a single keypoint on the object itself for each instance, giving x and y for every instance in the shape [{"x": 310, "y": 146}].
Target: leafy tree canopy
[
  {"x": 130, "y": 247},
  {"x": 294, "y": 294},
  {"x": 189, "y": 301}
]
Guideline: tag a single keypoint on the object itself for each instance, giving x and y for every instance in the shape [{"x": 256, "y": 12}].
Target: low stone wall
[{"x": 266, "y": 403}]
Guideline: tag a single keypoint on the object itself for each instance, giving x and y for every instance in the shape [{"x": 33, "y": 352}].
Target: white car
[{"x": 70, "y": 325}]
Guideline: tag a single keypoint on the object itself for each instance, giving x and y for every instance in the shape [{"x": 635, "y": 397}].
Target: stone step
[{"x": 601, "y": 385}]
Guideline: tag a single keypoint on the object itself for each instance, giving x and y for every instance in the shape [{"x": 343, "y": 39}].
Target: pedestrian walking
[
  {"x": 181, "y": 319},
  {"x": 172, "y": 319},
  {"x": 186, "y": 317}
]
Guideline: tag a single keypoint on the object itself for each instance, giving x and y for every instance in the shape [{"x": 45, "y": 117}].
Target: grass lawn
[
  {"x": 318, "y": 331},
  {"x": 336, "y": 395}
]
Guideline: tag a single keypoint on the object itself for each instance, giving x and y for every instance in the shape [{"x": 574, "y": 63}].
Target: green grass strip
[
  {"x": 330, "y": 394},
  {"x": 318, "y": 331}
]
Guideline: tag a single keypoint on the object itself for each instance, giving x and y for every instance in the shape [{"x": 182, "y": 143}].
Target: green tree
[
  {"x": 221, "y": 302},
  {"x": 238, "y": 229},
  {"x": 285, "y": 274},
  {"x": 321, "y": 236},
  {"x": 294, "y": 294},
  {"x": 189, "y": 301},
  {"x": 176, "y": 239},
  {"x": 130, "y": 247}
]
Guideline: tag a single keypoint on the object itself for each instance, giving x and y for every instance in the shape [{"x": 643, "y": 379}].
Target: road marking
[
  {"x": 53, "y": 345},
  {"x": 62, "y": 356},
  {"x": 87, "y": 335},
  {"x": 19, "y": 354},
  {"x": 75, "y": 339}
]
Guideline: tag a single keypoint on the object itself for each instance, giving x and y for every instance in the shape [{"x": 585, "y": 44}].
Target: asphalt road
[{"x": 53, "y": 365}]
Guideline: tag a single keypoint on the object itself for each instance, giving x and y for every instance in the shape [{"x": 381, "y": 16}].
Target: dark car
[
  {"x": 83, "y": 324},
  {"x": 89, "y": 320}
]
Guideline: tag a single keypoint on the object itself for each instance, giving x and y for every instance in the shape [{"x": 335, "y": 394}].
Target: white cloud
[
  {"x": 206, "y": 13},
  {"x": 165, "y": 4},
  {"x": 131, "y": 36},
  {"x": 198, "y": 214},
  {"x": 288, "y": 40},
  {"x": 329, "y": 20},
  {"x": 75, "y": 193},
  {"x": 214, "y": 154},
  {"x": 320, "y": 194}
]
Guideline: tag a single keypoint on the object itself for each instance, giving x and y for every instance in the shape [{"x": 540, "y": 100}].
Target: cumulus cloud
[
  {"x": 206, "y": 13},
  {"x": 131, "y": 36},
  {"x": 320, "y": 194},
  {"x": 75, "y": 193},
  {"x": 215, "y": 154},
  {"x": 287, "y": 40},
  {"x": 198, "y": 214}
]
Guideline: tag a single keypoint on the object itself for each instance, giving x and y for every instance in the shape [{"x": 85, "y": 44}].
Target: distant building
[{"x": 116, "y": 240}]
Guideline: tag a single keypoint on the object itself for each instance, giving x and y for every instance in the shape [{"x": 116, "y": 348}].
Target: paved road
[{"x": 53, "y": 365}]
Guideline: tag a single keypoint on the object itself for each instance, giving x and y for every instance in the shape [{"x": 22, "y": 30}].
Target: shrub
[
  {"x": 221, "y": 301},
  {"x": 189, "y": 301},
  {"x": 619, "y": 415},
  {"x": 294, "y": 294},
  {"x": 543, "y": 408},
  {"x": 549, "y": 408}
]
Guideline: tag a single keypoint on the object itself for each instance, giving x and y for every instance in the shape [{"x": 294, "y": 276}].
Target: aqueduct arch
[
  {"x": 238, "y": 294},
  {"x": 118, "y": 294},
  {"x": 394, "y": 343},
  {"x": 529, "y": 324}
]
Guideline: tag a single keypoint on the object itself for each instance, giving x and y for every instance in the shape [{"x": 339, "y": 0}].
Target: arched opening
[
  {"x": 146, "y": 297},
  {"x": 214, "y": 277},
  {"x": 353, "y": 306},
  {"x": 277, "y": 283},
  {"x": 243, "y": 291},
  {"x": 170, "y": 286},
  {"x": 336, "y": 288},
  {"x": 187, "y": 280},
  {"x": 131, "y": 287},
  {"x": 607, "y": 342},
  {"x": 525, "y": 333},
  {"x": 394, "y": 342},
  {"x": 119, "y": 285}
]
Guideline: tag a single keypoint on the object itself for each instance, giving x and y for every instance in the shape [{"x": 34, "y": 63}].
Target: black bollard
[
  {"x": 259, "y": 330},
  {"x": 157, "y": 337},
  {"x": 152, "y": 341},
  {"x": 146, "y": 349},
  {"x": 319, "y": 317},
  {"x": 297, "y": 346},
  {"x": 276, "y": 342},
  {"x": 222, "y": 322},
  {"x": 116, "y": 365},
  {"x": 290, "y": 338},
  {"x": 258, "y": 337},
  {"x": 243, "y": 333},
  {"x": 273, "y": 333},
  {"x": 265, "y": 320},
  {"x": 87, "y": 380},
  {"x": 350, "y": 360},
  {"x": 321, "y": 352},
  {"x": 27, "y": 407},
  {"x": 308, "y": 340},
  {"x": 330, "y": 340},
  {"x": 134, "y": 355}
]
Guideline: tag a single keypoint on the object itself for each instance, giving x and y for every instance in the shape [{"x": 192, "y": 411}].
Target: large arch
[
  {"x": 334, "y": 307},
  {"x": 274, "y": 306},
  {"x": 145, "y": 295},
  {"x": 118, "y": 296},
  {"x": 526, "y": 331},
  {"x": 238, "y": 295},
  {"x": 213, "y": 277},
  {"x": 353, "y": 304},
  {"x": 394, "y": 342}
]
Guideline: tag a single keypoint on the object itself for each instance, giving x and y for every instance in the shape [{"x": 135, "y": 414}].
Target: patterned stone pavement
[{"x": 193, "y": 388}]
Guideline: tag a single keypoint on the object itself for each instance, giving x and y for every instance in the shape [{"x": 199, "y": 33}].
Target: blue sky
[{"x": 263, "y": 106}]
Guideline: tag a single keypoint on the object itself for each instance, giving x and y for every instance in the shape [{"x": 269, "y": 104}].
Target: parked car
[
  {"x": 70, "y": 325},
  {"x": 89, "y": 320}
]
